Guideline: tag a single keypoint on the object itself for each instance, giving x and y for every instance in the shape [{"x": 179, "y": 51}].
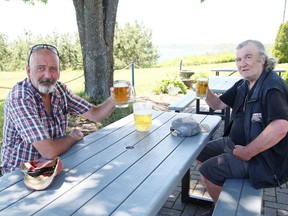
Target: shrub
[
  {"x": 285, "y": 77},
  {"x": 172, "y": 79},
  {"x": 201, "y": 74},
  {"x": 280, "y": 48}
]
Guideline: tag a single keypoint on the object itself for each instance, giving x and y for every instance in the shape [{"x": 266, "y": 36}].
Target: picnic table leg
[
  {"x": 190, "y": 199},
  {"x": 211, "y": 111},
  {"x": 197, "y": 106},
  {"x": 198, "y": 111}
]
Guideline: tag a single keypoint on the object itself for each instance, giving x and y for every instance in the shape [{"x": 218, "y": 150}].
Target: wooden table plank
[
  {"x": 68, "y": 164},
  {"x": 229, "y": 70},
  {"x": 176, "y": 164},
  {"x": 238, "y": 197},
  {"x": 183, "y": 102},
  {"x": 113, "y": 170},
  {"x": 233, "y": 70},
  {"x": 251, "y": 201},
  {"x": 101, "y": 173},
  {"x": 220, "y": 84},
  {"x": 137, "y": 174},
  {"x": 230, "y": 197}
]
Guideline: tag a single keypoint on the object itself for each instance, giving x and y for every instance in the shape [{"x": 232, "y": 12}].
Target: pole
[
  {"x": 132, "y": 68},
  {"x": 284, "y": 11}
]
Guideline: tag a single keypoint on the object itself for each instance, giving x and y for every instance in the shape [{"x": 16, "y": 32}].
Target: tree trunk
[{"x": 96, "y": 23}]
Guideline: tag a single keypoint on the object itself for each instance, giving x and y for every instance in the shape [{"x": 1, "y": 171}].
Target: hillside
[{"x": 171, "y": 51}]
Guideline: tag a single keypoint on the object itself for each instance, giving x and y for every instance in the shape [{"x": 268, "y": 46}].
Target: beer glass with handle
[
  {"x": 122, "y": 98},
  {"x": 201, "y": 87}
]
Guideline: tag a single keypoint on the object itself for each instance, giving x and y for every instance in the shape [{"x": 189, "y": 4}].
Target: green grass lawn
[{"x": 144, "y": 79}]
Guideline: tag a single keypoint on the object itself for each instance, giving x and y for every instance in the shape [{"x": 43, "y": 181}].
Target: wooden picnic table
[
  {"x": 220, "y": 84},
  {"x": 233, "y": 70},
  {"x": 113, "y": 171},
  {"x": 227, "y": 70}
]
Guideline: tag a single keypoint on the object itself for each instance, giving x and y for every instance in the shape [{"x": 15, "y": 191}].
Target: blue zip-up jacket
[{"x": 270, "y": 167}]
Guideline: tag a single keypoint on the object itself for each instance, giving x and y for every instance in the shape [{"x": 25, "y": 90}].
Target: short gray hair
[{"x": 270, "y": 62}]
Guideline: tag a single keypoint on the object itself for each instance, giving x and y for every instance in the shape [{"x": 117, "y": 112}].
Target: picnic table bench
[
  {"x": 238, "y": 197},
  {"x": 183, "y": 102}
]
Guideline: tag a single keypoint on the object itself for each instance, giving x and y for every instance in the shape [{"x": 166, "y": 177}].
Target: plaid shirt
[{"x": 26, "y": 121}]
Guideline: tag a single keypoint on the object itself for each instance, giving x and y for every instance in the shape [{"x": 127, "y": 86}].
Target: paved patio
[{"x": 275, "y": 200}]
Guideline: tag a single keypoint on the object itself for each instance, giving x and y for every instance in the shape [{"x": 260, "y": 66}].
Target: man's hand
[
  {"x": 76, "y": 134},
  {"x": 242, "y": 153}
]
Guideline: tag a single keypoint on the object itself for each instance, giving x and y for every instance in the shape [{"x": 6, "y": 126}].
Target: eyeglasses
[{"x": 43, "y": 46}]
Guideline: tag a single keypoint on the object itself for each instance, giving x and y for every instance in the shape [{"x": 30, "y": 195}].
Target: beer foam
[
  {"x": 142, "y": 112},
  {"x": 120, "y": 84},
  {"x": 202, "y": 79}
]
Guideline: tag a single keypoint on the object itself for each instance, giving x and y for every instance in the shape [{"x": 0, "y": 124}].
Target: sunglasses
[{"x": 43, "y": 46}]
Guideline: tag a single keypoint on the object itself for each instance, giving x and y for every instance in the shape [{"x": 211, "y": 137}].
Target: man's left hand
[{"x": 242, "y": 153}]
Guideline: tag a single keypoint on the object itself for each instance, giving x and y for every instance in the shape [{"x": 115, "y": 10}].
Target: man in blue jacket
[{"x": 255, "y": 145}]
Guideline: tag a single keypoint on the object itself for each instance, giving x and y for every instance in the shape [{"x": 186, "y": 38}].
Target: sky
[{"x": 171, "y": 21}]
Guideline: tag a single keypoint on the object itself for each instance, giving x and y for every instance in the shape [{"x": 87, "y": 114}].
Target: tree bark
[{"x": 96, "y": 23}]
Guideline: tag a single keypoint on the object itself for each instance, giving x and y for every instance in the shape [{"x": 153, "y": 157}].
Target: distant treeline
[
  {"x": 13, "y": 55},
  {"x": 133, "y": 42}
]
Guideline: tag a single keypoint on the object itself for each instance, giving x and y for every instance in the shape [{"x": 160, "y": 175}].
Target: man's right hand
[{"x": 76, "y": 134}]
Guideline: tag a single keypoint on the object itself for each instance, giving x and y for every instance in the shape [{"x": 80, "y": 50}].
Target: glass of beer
[
  {"x": 201, "y": 88},
  {"x": 142, "y": 115},
  {"x": 121, "y": 93}
]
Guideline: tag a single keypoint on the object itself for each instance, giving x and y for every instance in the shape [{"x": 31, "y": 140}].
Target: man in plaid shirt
[{"x": 35, "y": 114}]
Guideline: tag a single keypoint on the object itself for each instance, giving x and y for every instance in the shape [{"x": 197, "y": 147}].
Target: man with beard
[{"x": 35, "y": 113}]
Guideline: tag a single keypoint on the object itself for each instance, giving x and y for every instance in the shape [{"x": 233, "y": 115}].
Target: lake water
[
  {"x": 171, "y": 51},
  {"x": 181, "y": 50}
]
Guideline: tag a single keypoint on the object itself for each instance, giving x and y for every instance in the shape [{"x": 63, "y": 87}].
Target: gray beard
[{"x": 46, "y": 89}]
